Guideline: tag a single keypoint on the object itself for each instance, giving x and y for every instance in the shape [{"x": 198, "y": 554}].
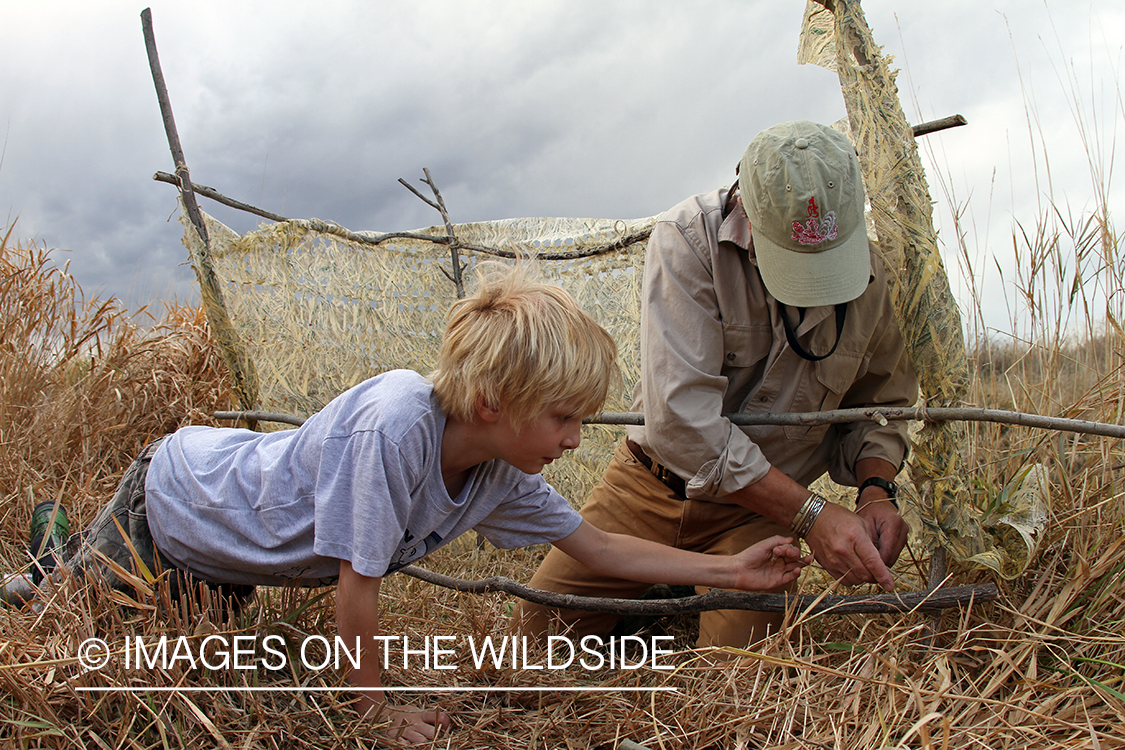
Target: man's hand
[
  {"x": 856, "y": 548},
  {"x": 888, "y": 529},
  {"x": 842, "y": 542},
  {"x": 410, "y": 725}
]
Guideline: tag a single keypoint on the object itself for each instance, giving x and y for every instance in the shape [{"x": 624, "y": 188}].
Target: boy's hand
[
  {"x": 769, "y": 564},
  {"x": 410, "y": 725}
]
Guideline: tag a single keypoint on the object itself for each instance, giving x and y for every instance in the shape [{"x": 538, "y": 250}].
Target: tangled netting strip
[{"x": 901, "y": 217}]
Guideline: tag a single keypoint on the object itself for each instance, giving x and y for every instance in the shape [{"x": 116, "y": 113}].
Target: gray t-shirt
[{"x": 359, "y": 481}]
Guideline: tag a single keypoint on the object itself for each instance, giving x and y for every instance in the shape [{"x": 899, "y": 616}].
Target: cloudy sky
[{"x": 518, "y": 108}]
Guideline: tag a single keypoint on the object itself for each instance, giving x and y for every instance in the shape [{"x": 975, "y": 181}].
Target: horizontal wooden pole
[
  {"x": 812, "y": 418},
  {"x": 930, "y": 600},
  {"x": 933, "y": 126},
  {"x": 375, "y": 239}
]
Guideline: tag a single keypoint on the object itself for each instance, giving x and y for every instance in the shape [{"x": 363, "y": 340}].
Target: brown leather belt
[{"x": 672, "y": 481}]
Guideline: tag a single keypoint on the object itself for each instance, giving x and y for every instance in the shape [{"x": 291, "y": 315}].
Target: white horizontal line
[{"x": 287, "y": 689}]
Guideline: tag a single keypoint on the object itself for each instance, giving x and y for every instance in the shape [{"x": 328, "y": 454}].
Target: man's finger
[
  {"x": 891, "y": 535},
  {"x": 871, "y": 560}
]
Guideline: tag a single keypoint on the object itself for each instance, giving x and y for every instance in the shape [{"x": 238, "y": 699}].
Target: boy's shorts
[{"x": 103, "y": 541}]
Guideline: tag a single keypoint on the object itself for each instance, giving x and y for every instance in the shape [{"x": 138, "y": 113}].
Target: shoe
[{"x": 50, "y": 529}]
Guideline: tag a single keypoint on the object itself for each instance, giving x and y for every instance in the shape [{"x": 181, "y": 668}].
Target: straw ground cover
[{"x": 84, "y": 388}]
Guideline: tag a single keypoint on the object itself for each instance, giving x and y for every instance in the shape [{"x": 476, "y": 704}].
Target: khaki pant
[{"x": 631, "y": 500}]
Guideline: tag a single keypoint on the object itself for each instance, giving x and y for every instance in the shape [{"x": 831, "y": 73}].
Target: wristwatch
[{"x": 889, "y": 487}]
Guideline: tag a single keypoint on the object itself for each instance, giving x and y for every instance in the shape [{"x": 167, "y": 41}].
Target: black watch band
[{"x": 889, "y": 487}]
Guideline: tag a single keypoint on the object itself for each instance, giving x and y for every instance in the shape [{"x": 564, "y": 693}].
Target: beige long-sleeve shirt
[{"x": 713, "y": 342}]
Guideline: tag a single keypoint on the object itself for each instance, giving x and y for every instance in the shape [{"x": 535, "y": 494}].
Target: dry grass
[{"x": 83, "y": 388}]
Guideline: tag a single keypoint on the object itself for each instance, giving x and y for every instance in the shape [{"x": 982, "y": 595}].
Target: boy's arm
[
  {"x": 766, "y": 565},
  {"x": 357, "y": 615}
]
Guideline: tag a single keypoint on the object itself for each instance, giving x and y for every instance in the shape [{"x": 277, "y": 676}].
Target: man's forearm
[
  {"x": 774, "y": 496},
  {"x": 778, "y": 497},
  {"x": 842, "y": 540}
]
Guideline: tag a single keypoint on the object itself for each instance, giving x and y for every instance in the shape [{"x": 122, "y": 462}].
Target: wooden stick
[
  {"x": 918, "y": 413},
  {"x": 259, "y": 416},
  {"x": 215, "y": 195},
  {"x": 454, "y": 253},
  {"x": 838, "y": 416},
  {"x": 187, "y": 193},
  {"x": 378, "y": 239},
  {"x": 939, "y": 566},
  {"x": 418, "y": 194},
  {"x": 953, "y": 121},
  {"x": 240, "y": 365},
  {"x": 914, "y": 601},
  {"x": 454, "y": 245}
]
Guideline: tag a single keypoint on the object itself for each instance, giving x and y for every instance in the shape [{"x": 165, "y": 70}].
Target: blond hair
[{"x": 522, "y": 345}]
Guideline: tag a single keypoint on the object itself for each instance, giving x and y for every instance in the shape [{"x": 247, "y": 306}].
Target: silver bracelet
[{"x": 802, "y": 523}]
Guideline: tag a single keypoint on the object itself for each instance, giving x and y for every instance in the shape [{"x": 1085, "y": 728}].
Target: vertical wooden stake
[
  {"x": 238, "y": 362},
  {"x": 939, "y": 568}
]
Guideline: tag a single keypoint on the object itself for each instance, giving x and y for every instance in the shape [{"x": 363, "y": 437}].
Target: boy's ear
[{"x": 487, "y": 412}]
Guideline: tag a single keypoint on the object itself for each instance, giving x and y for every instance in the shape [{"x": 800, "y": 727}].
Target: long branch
[
  {"x": 916, "y": 413},
  {"x": 182, "y": 178},
  {"x": 215, "y": 195},
  {"x": 838, "y": 416},
  {"x": 380, "y": 238},
  {"x": 914, "y": 601}
]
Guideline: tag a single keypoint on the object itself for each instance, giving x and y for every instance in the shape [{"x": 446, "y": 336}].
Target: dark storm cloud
[{"x": 519, "y": 109}]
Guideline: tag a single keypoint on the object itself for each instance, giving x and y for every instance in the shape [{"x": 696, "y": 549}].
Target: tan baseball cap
[{"x": 801, "y": 188}]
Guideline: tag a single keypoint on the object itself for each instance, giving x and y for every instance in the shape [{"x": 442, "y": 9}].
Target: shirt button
[
  {"x": 730, "y": 356},
  {"x": 763, "y": 399}
]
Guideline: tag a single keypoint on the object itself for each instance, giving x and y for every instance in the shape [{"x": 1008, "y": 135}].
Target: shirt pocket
[
  {"x": 745, "y": 345},
  {"x": 836, "y": 375},
  {"x": 823, "y": 391}
]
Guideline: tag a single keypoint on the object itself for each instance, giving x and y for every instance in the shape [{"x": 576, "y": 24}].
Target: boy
[{"x": 397, "y": 467}]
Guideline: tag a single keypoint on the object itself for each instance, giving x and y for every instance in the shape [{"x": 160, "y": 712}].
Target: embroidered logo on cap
[{"x": 812, "y": 232}]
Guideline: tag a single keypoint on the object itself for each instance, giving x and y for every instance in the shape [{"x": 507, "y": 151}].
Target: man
[{"x": 765, "y": 297}]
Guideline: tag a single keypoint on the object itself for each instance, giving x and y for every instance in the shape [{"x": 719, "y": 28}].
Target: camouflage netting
[
  {"x": 901, "y": 212},
  {"x": 315, "y": 309}
]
